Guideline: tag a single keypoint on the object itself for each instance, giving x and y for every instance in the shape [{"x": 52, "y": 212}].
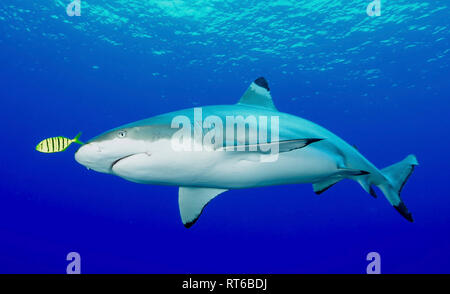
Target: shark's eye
[{"x": 122, "y": 134}]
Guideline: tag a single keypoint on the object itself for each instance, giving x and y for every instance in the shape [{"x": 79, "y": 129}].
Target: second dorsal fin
[{"x": 258, "y": 94}]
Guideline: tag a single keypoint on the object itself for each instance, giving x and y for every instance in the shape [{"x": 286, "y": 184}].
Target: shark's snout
[{"x": 90, "y": 155}]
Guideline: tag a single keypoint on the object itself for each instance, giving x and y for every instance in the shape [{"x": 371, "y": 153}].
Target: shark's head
[{"x": 104, "y": 151}]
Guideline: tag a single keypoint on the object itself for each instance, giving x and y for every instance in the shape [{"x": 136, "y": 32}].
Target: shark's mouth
[
  {"x": 125, "y": 157},
  {"x": 122, "y": 158}
]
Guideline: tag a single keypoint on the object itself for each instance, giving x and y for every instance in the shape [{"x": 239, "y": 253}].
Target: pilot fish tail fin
[
  {"x": 77, "y": 139},
  {"x": 396, "y": 176}
]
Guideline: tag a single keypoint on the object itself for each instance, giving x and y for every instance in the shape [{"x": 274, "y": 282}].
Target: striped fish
[{"x": 57, "y": 144}]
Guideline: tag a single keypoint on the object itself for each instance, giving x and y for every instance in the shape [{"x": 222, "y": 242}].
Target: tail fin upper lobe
[{"x": 396, "y": 176}]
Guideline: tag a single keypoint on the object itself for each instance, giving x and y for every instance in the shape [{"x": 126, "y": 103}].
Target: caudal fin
[{"x": 397, "y": 175}]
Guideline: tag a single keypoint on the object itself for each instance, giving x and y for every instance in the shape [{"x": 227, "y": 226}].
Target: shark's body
[{"x": 143, "y": 152}]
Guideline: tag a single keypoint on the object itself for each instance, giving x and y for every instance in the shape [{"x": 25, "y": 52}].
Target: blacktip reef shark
[{"x": 143, "y": 152}]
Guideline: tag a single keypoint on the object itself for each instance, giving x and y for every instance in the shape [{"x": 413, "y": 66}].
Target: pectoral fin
[
  {"x": 283, "y": 146},
  {"x": 193, "y": 200}
]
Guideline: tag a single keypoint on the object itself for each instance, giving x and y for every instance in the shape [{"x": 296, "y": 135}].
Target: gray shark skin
[{"x": 142, "y": 152}]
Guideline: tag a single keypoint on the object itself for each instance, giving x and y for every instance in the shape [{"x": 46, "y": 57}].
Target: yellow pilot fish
[{"x": 57, "y": 144}]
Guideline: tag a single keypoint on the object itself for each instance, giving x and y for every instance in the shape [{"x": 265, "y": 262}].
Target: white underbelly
[{"x": 226, "y": 169}]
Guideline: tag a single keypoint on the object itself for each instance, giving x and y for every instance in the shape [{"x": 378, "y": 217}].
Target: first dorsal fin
[{"x": 258, "y": 94}]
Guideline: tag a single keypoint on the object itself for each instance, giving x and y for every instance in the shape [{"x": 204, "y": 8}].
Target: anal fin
[{"x": 363, "y": 181}]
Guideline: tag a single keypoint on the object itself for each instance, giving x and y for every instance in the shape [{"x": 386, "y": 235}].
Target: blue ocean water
[{"x": 381, "y": 83}]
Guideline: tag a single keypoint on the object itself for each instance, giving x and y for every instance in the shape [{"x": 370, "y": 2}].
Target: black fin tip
[
  {"x": 262, "y": 82},
  {"x": 401, "y": 208}
]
